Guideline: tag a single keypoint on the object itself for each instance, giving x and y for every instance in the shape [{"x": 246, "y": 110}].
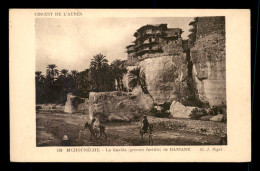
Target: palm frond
[
  {"x": 135, "y": 71},
  {"x": 51, "y": 66},
  {"x": 133, "y": 83}
]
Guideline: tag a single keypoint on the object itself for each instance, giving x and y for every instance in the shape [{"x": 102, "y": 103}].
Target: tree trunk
[
  {"x": 61, "y": 96},
  {"x": 145, "y": 90},
  {"x": 121, "y": 84}
]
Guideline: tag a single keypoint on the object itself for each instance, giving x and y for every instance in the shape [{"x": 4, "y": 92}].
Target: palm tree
[
  {"x": 99, "y": 62},
  {"x": 38, "y": 75},
  {"x": 118, "y": 70},
  {"x": 52, "y": 71},
  {"x": 74, "y": 73},
  {"x": 64, "y": 72},
  {"x": 83, "y": 83},
  {"x": 74, "y": 77},
  {"x": 38, "y": 86},
  {"x": 83, "y": 78},
  {"x": 61, "y": 81},
  {"x": 99, "y": 70},
  {"x": 138, "y": 78}
]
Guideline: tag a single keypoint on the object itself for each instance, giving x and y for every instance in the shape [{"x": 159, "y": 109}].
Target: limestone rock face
[
  {"x": 118, "y": 106},
  {"x": 163, "y": 73},
  {"x": 209, "y": 60},
  {"x": 71, "y": 104},
  {"x": 180, "y": 111}
]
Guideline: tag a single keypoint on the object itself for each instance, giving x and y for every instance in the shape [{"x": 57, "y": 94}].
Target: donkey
[
  {"x": 149, "y": 132},
  {"x": 95, "y": 131}
]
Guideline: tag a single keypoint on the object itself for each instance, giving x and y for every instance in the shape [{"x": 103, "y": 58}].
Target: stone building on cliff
[
  {"x": 153, "y": 40},
  {"x": 183, "y": 73},
  {"x": 158, "y": 51},
  {"x": 131, "y": 55}
]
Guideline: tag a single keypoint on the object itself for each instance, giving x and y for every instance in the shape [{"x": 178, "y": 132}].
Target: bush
[
  {"x": 38, "y": 108},
  {"x": 153, "y": 111},
  {"x": 218, "y": 110},
  {"x": 166, "y": 106},
  {"x": 195, "y": 102},
  {"x": 199, "y": 112},
  {"x": 196, "y": 113},
  {"x": 164, "y": 113}
]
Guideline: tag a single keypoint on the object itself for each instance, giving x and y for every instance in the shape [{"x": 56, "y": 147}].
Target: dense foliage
[
  {"x": 138, "y": 78},
  {"x": 56, "y": 84}
]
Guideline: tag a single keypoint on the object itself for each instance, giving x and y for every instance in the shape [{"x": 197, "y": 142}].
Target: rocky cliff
[
  {"x": 167, "y": 75},
  {"x": 197, "y": 72},
  {"x": 209, "y": 59},
  {"x": 163, "y": 76},
  {"x": 193, "y": 74}
]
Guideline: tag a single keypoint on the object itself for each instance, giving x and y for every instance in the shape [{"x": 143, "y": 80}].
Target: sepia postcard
[{"x": 130, "y": 85}]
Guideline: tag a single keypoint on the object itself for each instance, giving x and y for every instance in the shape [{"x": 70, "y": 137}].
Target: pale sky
[{"x": 71, "y": 43}]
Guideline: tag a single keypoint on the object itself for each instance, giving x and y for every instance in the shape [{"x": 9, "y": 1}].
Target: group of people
[
  {"x": 144, "y": 124},
  {"x": 95, "y": 125}
]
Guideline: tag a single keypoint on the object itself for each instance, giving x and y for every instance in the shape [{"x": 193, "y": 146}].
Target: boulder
[
  {"x": 180, "y": 111},
  {"x": 118, "y": 106},
  {"x": 205, "y": 118},
  {"x": 217, "y": 118},
  {"x": 71, "y": 104}
]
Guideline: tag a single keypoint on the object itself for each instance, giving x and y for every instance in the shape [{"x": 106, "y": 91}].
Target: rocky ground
[{"x": 51, "y": 127}]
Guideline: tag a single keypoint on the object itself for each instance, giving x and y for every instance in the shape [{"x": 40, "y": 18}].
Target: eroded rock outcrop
[
  {"x": 209, "y": 59},
  {"x": 192, "y": 72},
  {"x": 164, "y": 75},
  {"x": 118, "y": 106}
]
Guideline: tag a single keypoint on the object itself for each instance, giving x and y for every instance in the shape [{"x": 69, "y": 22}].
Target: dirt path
[{"x": 52, "y": 127}]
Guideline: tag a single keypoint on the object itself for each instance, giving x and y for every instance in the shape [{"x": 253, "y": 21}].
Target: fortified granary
[{"x": 153, "y": 40}]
